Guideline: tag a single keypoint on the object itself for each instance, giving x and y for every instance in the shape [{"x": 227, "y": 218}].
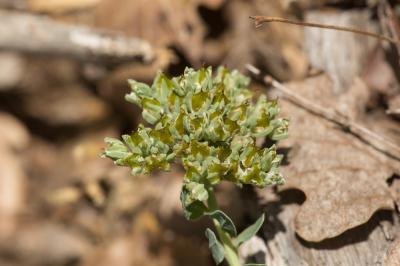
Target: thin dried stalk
[
  {"x": 259, "y": 20},
  {"x": 389, "y": 22},
  {"x": 376, "y": 141}
]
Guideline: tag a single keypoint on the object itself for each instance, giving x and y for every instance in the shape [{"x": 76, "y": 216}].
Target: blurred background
[{"x": 64, "y": 66}]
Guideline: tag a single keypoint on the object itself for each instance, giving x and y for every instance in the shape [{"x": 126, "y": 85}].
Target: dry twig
[
  {"x": 376, "y": 141},
  {"x": 259, "y": 20},
  {"x": 391, "y": 20},
  {"x": 39, "y": 35}
]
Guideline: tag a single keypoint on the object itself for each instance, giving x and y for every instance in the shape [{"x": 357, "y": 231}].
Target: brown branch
[
  {"x": 376, "y": 141},
  {"x": 40, "y": 35},
  {"x": 259, "y": 20}
]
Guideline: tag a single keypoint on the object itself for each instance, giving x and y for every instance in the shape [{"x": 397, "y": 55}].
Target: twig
[
  {"x": 259, "y": 20},
  {"x": 389, "y": 22},
  {"x": 376, "y": 141},
  {"x": 39, "y": 35}
]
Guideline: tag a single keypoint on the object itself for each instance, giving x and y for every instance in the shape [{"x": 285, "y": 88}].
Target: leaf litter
[{"x": 344, "y": 179}]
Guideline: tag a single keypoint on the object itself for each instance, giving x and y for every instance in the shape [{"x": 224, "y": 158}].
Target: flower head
[{"x": 210, "y": 124}]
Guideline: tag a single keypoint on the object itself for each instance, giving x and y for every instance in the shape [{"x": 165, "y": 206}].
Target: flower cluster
[{"x": 210, "y": 124}]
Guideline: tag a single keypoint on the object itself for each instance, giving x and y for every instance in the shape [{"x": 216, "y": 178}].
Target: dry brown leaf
[
  {"x": 70, "y": 105},
  {"x": 166, "y": 23},
  {"x": 364, "y": 245},
  {"x": 344, "y": 180},
  {"x": 45, "y": 243}
]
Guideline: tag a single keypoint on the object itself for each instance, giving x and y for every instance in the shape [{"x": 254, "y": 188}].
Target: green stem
[{"x": 231, "y": 252}]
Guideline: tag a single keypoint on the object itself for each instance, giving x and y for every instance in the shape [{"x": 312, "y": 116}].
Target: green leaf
[
  {"x": 194, "y": 210},
  {"x": 249, "y": 232},
  {"x": 191, "y": 209},
  {"x": 197, "y": 191},
  {"x": 215, "y": 246},
  {"x": 226, "y": 223},
  {"x": 116, "y": 149},
  {"x": 255, "y": 264}
]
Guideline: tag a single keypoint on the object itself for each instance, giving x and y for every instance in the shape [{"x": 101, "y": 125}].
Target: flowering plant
[{"x": 210, "y": 124}]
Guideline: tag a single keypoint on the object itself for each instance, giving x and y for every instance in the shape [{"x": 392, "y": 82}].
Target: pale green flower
[{"x": 209, "y": 123}]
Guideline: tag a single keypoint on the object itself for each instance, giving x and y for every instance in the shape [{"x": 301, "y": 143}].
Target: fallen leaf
[
  {"x": 364, "y": 245},
  {"x": 166, "y": 23},
  {"x": 46, "y": 243},
  {"x": 70, "y": 105},
  {"x": 344, "y": 180}
]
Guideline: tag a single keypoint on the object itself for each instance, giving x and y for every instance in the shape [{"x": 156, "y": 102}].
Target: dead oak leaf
[{"x": 344, "y": 180}]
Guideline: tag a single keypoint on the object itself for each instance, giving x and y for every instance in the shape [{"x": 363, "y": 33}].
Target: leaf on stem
[
  {"x": 192, "y": 209},
  {"x": 249, "y": 232},
  {"x": 226, "y": 223},
  {"x": 215, "y": 246}
]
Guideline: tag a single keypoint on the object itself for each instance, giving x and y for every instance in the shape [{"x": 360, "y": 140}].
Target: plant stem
[
  {"x": 231, "y": 252},
  {"x": 259, "y": 20}
]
